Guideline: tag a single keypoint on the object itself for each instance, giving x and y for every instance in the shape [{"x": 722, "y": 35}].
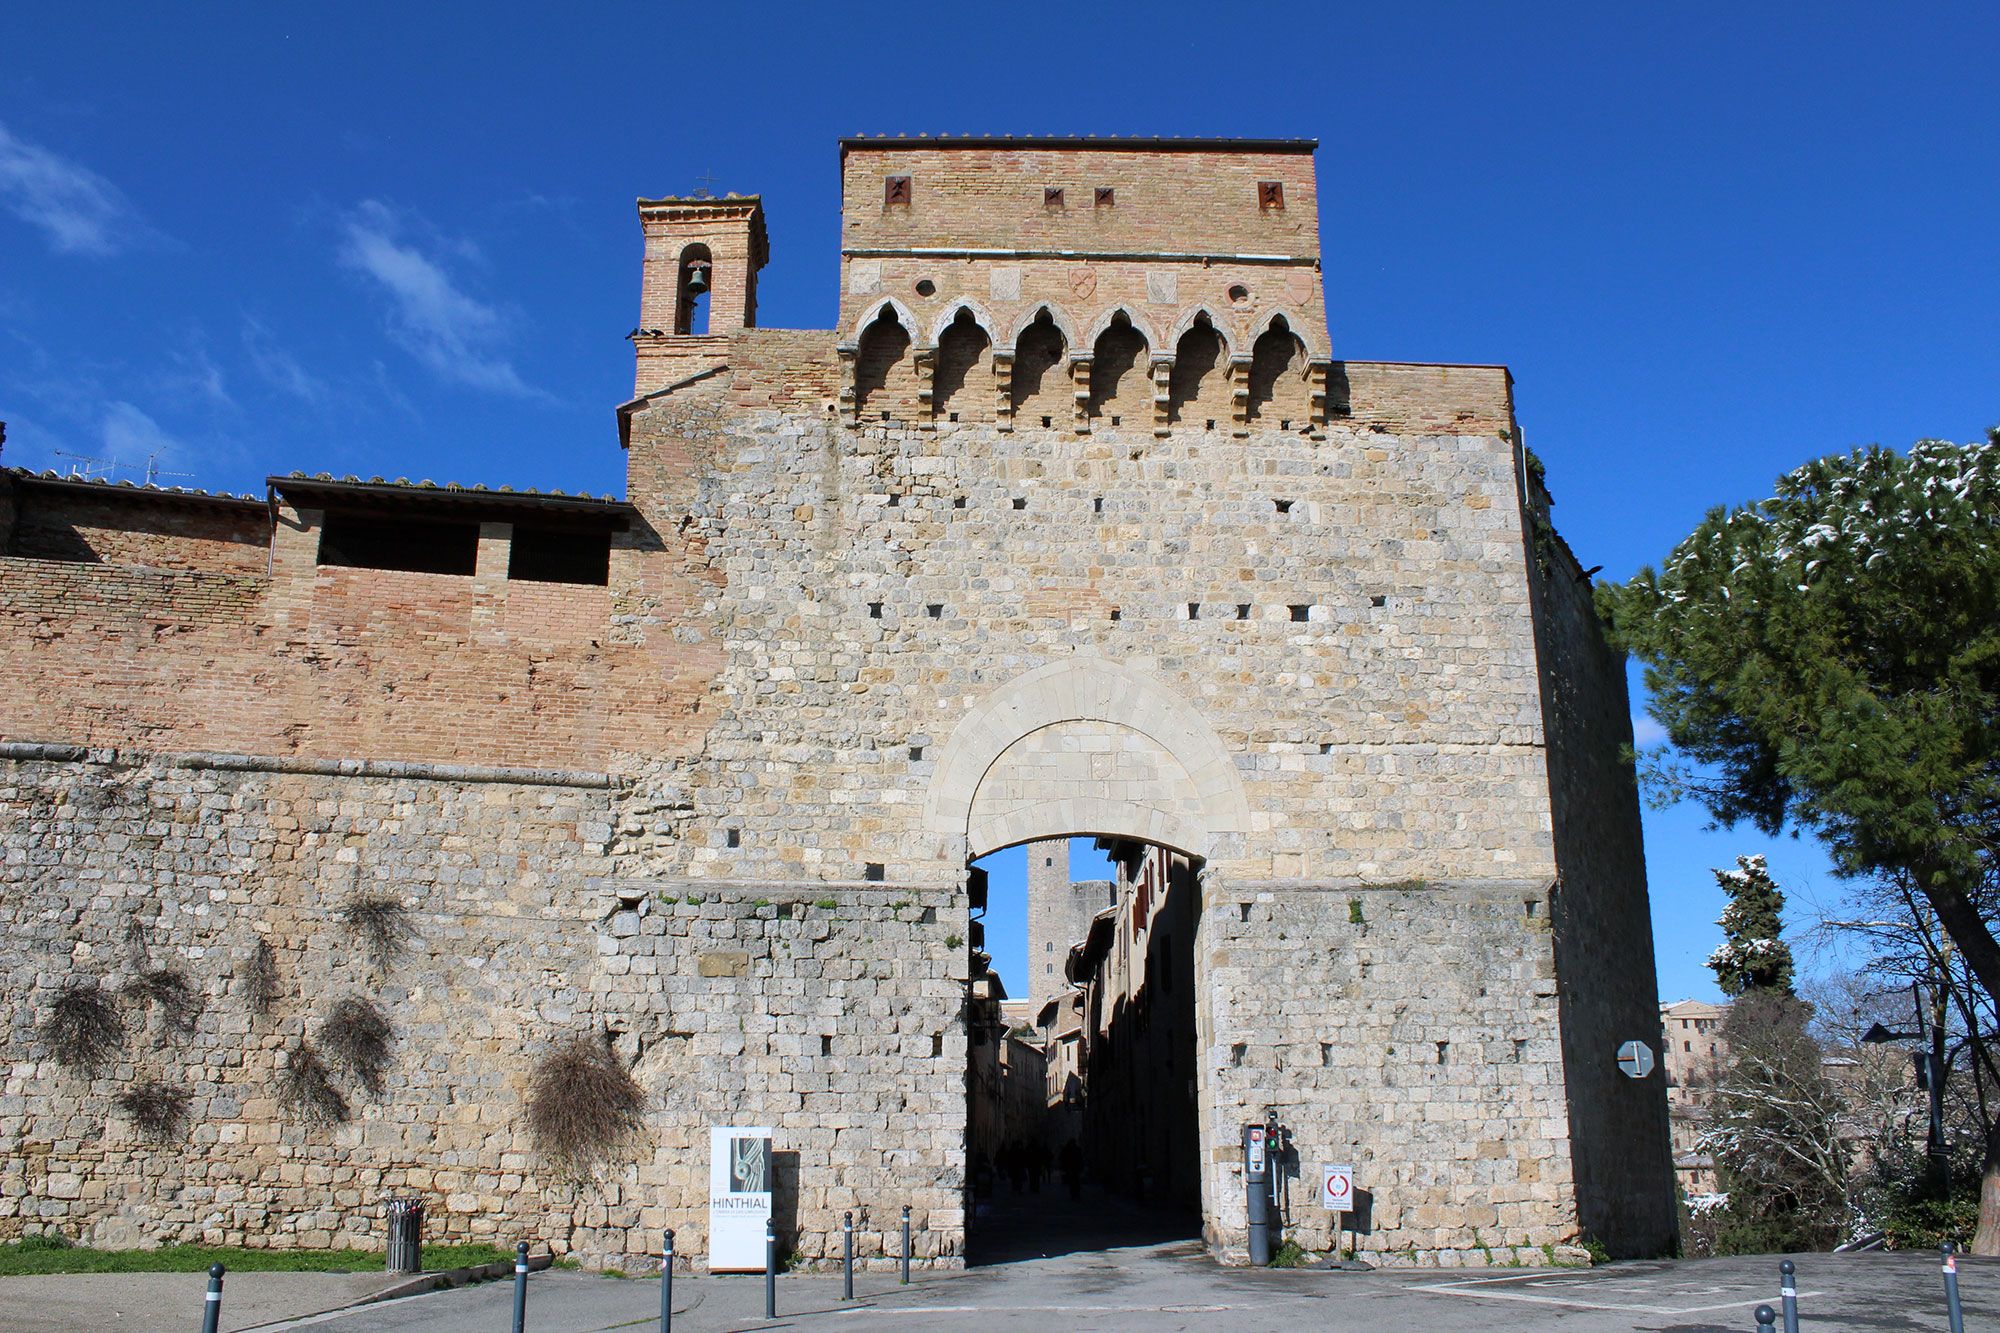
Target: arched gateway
[{"x": 693, "y": 777}]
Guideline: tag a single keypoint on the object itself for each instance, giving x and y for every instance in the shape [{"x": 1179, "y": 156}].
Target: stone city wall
[{"x": 827, "y": 1017}]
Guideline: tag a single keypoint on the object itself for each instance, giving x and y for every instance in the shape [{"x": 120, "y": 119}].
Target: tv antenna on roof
[{"x": 94, "y": 469}]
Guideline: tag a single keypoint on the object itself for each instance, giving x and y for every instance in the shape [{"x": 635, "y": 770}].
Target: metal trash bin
[{"x": 406, "y": 1235}]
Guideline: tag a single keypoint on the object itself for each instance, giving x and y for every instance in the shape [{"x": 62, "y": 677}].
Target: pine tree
[{"x": 1753, "y": 955}]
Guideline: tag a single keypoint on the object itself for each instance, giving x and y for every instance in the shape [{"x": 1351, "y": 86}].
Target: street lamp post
[{"x": 1929, "y": 1058}]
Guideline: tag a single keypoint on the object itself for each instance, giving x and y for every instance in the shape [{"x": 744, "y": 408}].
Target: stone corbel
[
  {"x": 925, "y": 360},
  {"x": 1317, "y": 373},
  {"x": 1003, "y": 383},
  {"x": 1239, "y": 396},
  {"x": 1163, "y": 387},
  {"x": 850, "y": 405},
  {"x": 1079, "y": 378}
]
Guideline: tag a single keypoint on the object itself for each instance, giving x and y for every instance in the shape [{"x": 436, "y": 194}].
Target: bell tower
[{"x": 702, "y": 257}]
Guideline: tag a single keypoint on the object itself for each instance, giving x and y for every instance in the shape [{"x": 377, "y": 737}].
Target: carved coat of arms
[{"x": 1083, "y": 282}]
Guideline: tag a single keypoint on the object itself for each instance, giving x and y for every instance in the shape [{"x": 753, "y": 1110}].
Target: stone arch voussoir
[{"x": 1167, "y": 779}]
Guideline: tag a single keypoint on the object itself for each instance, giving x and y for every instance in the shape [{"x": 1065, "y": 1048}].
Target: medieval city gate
[{"x": 1074, "y": 523}]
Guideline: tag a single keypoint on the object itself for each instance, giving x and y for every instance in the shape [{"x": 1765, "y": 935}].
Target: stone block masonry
[
  {"x": 825, "y": 1017},
  {"x": 1073, "y": 526}
]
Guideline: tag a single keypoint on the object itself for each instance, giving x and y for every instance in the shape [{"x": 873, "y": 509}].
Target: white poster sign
[
  {"x": 1336, "y": 1188},
  {"x": 739, "y": 1198}
]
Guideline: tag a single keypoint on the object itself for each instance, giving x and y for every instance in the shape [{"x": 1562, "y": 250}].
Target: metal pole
[
  {"x": 847, "y": 1260},
  {"x": 1951, "y": 1305},
  {"x": 667, "y": 1284},
  {"x": 906, "y": 1245},
  {"x": 770, "y": 1269},
  {"x": 211, "y": 1310},
  {"x": 521, "y": 1287},
  {"x": 1766, "y": 1317},
  {"x": 1788, "y": 1294},
  {"x": 1940, "y": 1157}
]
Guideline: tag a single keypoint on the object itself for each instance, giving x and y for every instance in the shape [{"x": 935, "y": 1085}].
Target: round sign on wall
[{"x": 1636, "y": 1059}]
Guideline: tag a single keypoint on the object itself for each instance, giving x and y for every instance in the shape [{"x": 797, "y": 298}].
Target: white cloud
[
  {"x": 1646, "y": 732},
  {"x": 138, "y": 442},
  {"x": 453, "y": 333},
  {"x": 279, "y": 366},
  {"x": 82, "y": 213}
]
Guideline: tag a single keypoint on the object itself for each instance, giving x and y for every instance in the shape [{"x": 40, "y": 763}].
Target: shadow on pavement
[{"x": 1015, "y": 1226}]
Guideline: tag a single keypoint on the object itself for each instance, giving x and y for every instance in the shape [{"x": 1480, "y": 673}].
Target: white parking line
[{"x": 1463, "y": 1288}]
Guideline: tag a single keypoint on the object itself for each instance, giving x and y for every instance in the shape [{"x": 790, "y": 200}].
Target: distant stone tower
[{"x": 1059, "y": 915}]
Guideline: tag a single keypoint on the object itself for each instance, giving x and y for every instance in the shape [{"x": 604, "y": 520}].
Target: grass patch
[
  {"x": 43, "y": 1254},
  {"x": 1291, "y": 1255},
  {"x": 826, "y": 904}
]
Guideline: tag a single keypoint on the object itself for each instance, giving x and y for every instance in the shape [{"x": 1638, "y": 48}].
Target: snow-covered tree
[
  {"x": 1752, "y": 955},
  {"x": 1828, "y": 659}
]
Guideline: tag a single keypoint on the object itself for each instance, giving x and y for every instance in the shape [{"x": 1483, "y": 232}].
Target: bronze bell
[{"x": 697, "y": 279}]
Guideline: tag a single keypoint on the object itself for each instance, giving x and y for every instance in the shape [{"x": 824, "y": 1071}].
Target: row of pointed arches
[{"x": 1116, "y": 375}]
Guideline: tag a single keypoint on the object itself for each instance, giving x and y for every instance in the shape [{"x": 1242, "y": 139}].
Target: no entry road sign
[
  {"x": 1336, "y": 1188},
  {"x": 1636, "y": 1059}
]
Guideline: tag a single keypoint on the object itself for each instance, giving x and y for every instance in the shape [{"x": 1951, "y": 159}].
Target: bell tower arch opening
[{"x": 691, "y": 300}]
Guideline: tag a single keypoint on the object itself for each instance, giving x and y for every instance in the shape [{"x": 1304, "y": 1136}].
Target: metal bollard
[
  {"x": 770, "y": 1269},
  {"x": 1766, "y": 1318},
  {"x": 211, "y": 1310},
  {"x": 1788, "y": 1294},
  {"x": 906, "y": 1245},
  {"x": 1951, "y": 1305},
  {"x": 521, "y": 1287},
  {"x": 847, "y": 1259},
  {"x": 667, "y": 1284}
]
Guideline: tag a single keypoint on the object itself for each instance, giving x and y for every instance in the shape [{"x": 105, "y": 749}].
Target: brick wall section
[
  {"x": 142, "y": 528},
  {"x": 1189, "y": 200},
  {"x": 342, "y": 663}
]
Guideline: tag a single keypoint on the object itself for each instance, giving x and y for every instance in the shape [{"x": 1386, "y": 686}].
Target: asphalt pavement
[{"x": 1099, "y": 1265}]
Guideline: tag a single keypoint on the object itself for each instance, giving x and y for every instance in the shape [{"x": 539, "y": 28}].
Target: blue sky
[{"x": 1710, "y": 240}]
